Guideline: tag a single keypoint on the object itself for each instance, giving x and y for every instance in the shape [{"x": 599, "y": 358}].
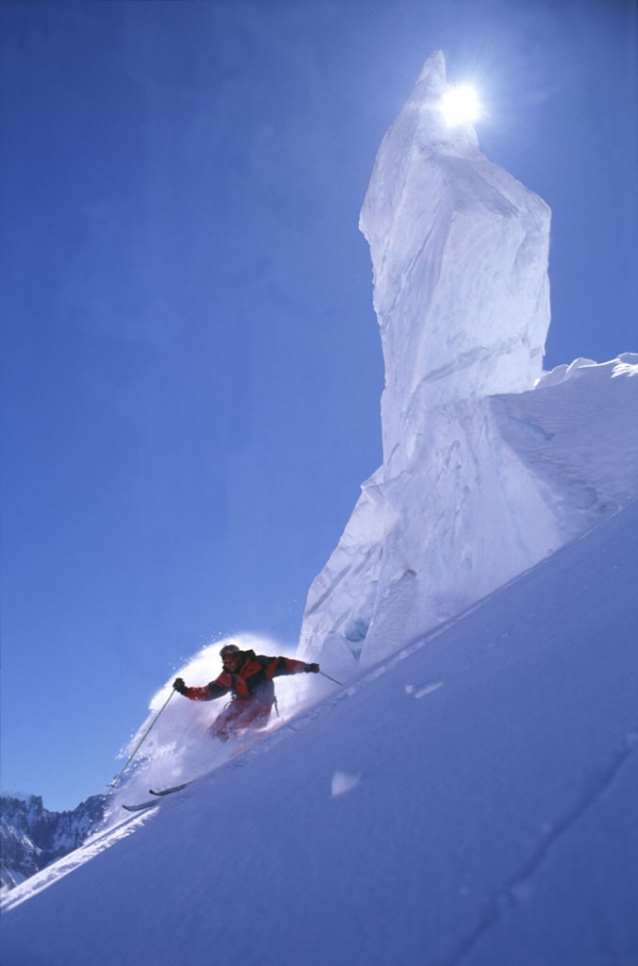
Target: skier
[{"x": 249, "y": 678}]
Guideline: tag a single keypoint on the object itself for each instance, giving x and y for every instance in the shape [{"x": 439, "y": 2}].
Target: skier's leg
[
  {"x": 239, "y": 715},
  {"x": 256, "y": 716},
  {"x": 223, "y": 727}
]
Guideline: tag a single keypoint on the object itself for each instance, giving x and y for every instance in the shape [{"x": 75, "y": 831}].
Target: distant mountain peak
[{"x": 31, "y": 836}]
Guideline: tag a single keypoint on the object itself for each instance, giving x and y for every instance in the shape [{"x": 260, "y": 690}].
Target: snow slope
[
  {"x": 476, "y": 485},
  {"x": 472, "y": 799}
]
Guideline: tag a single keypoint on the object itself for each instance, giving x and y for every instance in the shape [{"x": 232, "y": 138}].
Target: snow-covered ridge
[
  {"x": 489, "y": 464},
  {"x": 577, "y": 435}
]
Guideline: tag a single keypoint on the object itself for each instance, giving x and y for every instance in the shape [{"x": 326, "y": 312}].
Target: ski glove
[
  {"x": 179, "y": 685},
  {"x": 312, "y": 668}
]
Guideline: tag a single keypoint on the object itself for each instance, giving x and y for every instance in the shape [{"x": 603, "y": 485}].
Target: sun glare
[{"x": 460, "y": 105}]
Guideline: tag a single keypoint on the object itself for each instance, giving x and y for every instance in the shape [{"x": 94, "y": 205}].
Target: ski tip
[{"x": 169, "y": 791}]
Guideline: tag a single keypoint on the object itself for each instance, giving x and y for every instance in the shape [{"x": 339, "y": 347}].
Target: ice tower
[{"x": 460, "y": 256}]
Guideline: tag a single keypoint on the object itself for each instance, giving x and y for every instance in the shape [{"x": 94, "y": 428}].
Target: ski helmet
[{"x": 229, "y": 649}]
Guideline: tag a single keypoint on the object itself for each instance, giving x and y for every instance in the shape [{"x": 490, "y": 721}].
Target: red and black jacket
[{"x": 253, "y": 681}]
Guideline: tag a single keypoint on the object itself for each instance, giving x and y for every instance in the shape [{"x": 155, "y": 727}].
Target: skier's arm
[
  {"x": 287, "y": 665},
  {"x": 209, "y": 692}
]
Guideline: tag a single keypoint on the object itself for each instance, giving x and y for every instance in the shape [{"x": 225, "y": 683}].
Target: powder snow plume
[{"x": 179, "y": 748}]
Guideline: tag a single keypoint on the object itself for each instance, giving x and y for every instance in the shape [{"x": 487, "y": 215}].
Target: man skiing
[{"x": 249, "y": 678}]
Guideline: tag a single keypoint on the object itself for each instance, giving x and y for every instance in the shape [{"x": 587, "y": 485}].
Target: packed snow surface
[
  {"x": 470, "y": 799},
  {"x": 488, "y": 465}
]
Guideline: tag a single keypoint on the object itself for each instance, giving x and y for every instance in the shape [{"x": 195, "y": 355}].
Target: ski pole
[
  {"x": 340, "y": 683},
  {"x": 142, "y": 739}
]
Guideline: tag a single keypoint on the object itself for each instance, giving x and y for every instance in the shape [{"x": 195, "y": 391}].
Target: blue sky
[{"x": 191, "y": 364}]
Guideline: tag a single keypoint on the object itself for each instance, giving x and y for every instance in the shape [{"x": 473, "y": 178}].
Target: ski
[
  {"x": 143, "y": 805},
  {"x": 162, "y": 793},
  {"x": 152, "y": 802},
  {"x": 169, "y": 791}
]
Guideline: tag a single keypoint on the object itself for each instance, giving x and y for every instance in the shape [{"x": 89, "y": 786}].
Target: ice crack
[{"x": 510, "y": 894}]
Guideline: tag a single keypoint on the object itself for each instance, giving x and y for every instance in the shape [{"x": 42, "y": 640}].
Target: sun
[{"x": 460, "y": 105}]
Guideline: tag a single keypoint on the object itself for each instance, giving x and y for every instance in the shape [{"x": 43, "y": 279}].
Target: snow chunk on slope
[{"x": 343, "y": 782}]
